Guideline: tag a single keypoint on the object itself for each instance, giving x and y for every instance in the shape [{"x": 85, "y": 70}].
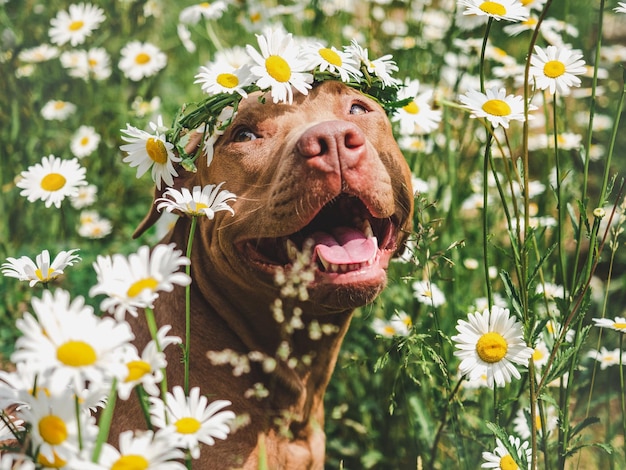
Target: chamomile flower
[
  {"x": 16, "y": 462},
  {"x": 192, "y": 420},
  {"x": 332, "y": 60},
  {"x": 207, "y": 10},
  {"x": 150, "y": 151},
  {"x": 143, "y": 449},
  {"x": 491, "y": 342},
  {"x": 85, "y": 196},
  {"x": 52, "y": 180},
  {"x": 383, "y": 328},
  {"x": 42, "y": 270},
  {"x": 620, "y": 8},
  {"x": 57, "y": 110},
  {"x": 521, "y": 422},
  {"x": 607, "y": 358},
  {"x": 94, "y": 63},
  {"x": 416, "y": 117},
  {"x": 401, "y": 323},
  {"x": 199, "y": 201},
  {"x": 221, "y": 77},
  {"x": 278, "y": 67},
  {"x": 134, "y": 282},
  {"x": 550, "y": 290},
  {"x": 37, "y": 54},
  {"x": 68, "y": 341},
  {"x": 555, "y": 69},
  {"x": 94, "y": 226},
  {"x": 141, "y": 59},
  {"x": 495, "y": 106},
  {"x": 84, "y": 141},
  {"x": 618, "y": 324},
  {"x": 147, "y": 370},
  {"x": 56, "y": 427},
  {"x": 501, "y": 458},
  {"x": 76, "y": 24},
  {"x": 510, "y": 10},
  {"x": 428, "y": 293},
  {"x": 382, "y": 67}
]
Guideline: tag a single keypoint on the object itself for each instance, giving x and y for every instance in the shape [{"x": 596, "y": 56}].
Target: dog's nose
[{"x": 332, "y": 143}]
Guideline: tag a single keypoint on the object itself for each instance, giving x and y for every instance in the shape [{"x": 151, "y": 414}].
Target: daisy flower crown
[{"x": 282, "y": 66}]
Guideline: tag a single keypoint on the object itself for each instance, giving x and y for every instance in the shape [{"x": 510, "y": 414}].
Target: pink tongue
[{"x": 345, "y": 245}]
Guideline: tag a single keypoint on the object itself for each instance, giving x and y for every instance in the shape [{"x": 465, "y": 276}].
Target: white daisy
[
  {"x": 56, "y": 427},
  {"x": 428, "y": 293},
  {"x": 147, "y": 151},
  {"x": 145, "y": 450},
  {"x": 225, "y": 117},
  {"x": 401, "y": 323},
  {"x": 141, "y": 60},
  {"x": 16, "y": 462},
  {"x": 57, "y": 110},
  {"x": 192, "y": 420},
  {"x": 607, "y": 358},
  {"x": 147, "y": 370},
  {"x": 85, "y": 196},
  {"x": 93, "y": 226},
  {"x": 521, "y": 422},
  {"x": 133, "y": 282},
  {"x": 278, "y": 66},
  {"x": 221, "y": 77},
  {"x": 620, "y": 8},
  {"x": 383, "y": 328},
  {"x": 199, "y": 201},
  {"x": 550, "y": 291},
  {"x": 501, "y": 458},
  {"x": 98, "y": 63},
  {"x": 382, "y": 67},
  {"x": 84, "y": 141},
  {"x": 76, "y": 24},
  {"x": 555, "y": 69},
  {"x": 330, "y": 59},
  {"x": 142, "y": 108},
  {"x": 528, "y": 24},
  {"x": 41, "y": 270},
  {"x": 491, "y": 342},
  {"x": 185, "y": 38},
  {"x": 510, "y": 10},
  {"x": 71, "y": 343},
  {"x": 37, "y": 54},
  {"x": 207, "y": 10},
  {"x": 52, "y": 180},
  {"x": 618, "y": 324},
  {"x": 495, "y": 106},
  {"x": 541, "y": 354},
  {"x": 416, "y": 117}
]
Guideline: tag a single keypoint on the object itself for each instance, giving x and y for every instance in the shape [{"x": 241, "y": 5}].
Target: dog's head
[{"x": 325, "y": 173}]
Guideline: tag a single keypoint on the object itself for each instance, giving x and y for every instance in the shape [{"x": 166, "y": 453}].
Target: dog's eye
[
  {"x": 244, "y": 135},
  {"x": 357, "y": 108}
]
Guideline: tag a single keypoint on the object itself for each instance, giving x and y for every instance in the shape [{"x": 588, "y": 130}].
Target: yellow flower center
[
  {"x": 84, "y": 141},
  {"x": 142, "y": 58},
  {"x": 58, "y": 462},
  {"x": 278, "y": 68},
  {"x": 92, "y": 62},
  {"x": 76, "y": 354},
  {"x": 187, "y": 425},
  {"x": 40, "y": 275},
  {"x": 537, "y": 355},
  {"x": 53, "y": 182},
  {"x": 619, "y": 326},
  {"x": 156, "y": 150},
  {"x": 507, "y": 463},
  {"x": 530, "y": 22},
  {"x": 59, "y": 105},
  {"x": 142, "y": 284},
  {"x": 491, "y": 347},
  {"x": 554, "y": 69},
  {"x": 493, "y": 8},
  {"x": 137, "y": 369},
  {"x": 497, "y": 108},
  {"x": 331, "y": 56},
  {"x": 76, "y": 25},
  {"x": 412, "y": 108},
  {"x": 130, "y": 462},
  {"x": 527, "y": 2},
  {"x": 389, "y": 330},
  {"x": 52, "y": 430},
  {"x": 205, "y": 4},
  {"x": 227, "y": 80}
]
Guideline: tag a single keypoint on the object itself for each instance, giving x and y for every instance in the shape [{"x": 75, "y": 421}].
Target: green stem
[
  {"x": 152, "y": 326},
  {"x": 142, "y": 396},
  {"x": 192, "y": 231},
  {"x": 104, "y": 423}
]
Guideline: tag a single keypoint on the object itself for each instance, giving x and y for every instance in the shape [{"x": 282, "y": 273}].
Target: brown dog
[{"x": 327, "y": 169}]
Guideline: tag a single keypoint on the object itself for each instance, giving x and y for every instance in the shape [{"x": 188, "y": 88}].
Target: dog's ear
[{"x": 184, "y": 179}]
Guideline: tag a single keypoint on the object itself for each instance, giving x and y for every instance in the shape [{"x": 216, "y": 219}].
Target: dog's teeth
[
  {"x": 325, "y": 263},
  {"x": 367, "y": 229}
]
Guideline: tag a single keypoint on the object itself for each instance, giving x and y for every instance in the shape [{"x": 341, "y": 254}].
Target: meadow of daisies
[{"x": 498, "y": 342}]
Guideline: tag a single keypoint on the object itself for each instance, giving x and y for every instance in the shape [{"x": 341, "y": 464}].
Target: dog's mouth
[{"x": 343, "y": 237}]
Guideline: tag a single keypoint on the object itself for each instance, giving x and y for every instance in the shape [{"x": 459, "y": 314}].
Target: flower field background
[{"x": 519, "y": 206}]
